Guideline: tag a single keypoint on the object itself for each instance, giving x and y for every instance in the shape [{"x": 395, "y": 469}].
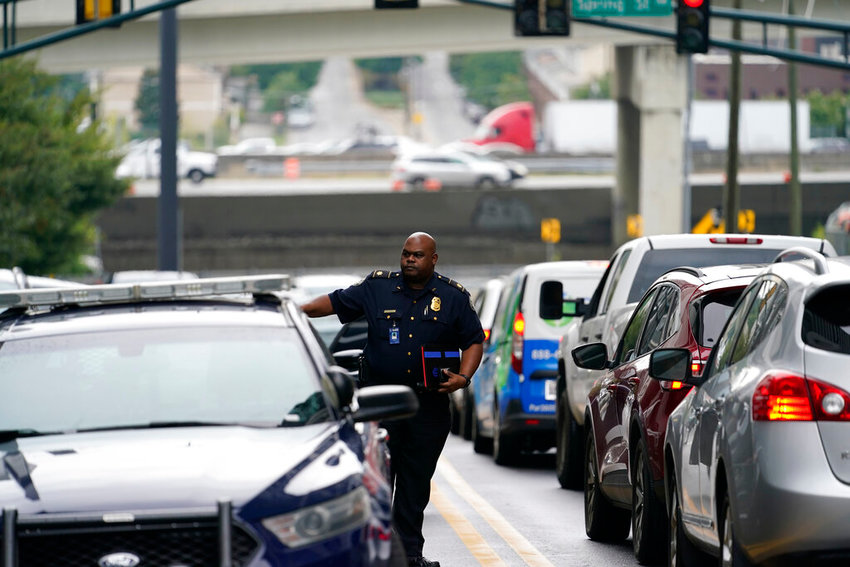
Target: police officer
[{"x": 406, "y": 310}]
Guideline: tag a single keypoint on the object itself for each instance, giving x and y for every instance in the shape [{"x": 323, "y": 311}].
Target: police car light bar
[{"x": 116, "y": 293}]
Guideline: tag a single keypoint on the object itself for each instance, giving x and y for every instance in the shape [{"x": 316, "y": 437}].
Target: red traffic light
[{"x": 693, "y": 3}]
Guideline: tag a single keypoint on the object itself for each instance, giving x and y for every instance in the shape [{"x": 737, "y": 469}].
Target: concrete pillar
[{"x": 651, "y": 89}]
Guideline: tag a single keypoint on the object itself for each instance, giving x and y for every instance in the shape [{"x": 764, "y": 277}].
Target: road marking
[
  {"x": 500, "y": 525},
  {"x": 470, "y": 537}
]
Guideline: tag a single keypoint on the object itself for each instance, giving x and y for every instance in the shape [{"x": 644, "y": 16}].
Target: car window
[
  {"x": 763, "y": 316},
  {"x": 615, "y": 278},
  {"x": 710, "y": 314},
  {"x": 504, "y": 316},
  {"x": 250, "y": 375},
  {"x": 826, "y": 320},
  {"x": 628, "y": 344},
  {"x": 721, "y": 353},
  {"x": 660, "y": 320},
  {"x": 593, "y": 306}
]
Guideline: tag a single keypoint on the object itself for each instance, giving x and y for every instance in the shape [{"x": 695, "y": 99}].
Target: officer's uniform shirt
[{"x": 401, "y": 320}]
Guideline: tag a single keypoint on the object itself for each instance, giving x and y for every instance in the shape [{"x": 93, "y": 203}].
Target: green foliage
[
  {"x": 599, "y": 88},
  {"x": 381, "y": 74},
  {"x": 147, "y": 103},
  {"x": 827, "y": 112},
  {"x": 284, "y": 85},
  {"x": 306, "y": 73},
  {"x": 491, "y": 79},
  {"x": 53, "y": 178}
]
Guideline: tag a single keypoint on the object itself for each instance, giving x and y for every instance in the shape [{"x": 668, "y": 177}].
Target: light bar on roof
[{"x": 117, "y": 293}]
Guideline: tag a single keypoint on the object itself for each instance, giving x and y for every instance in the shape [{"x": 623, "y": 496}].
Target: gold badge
[{"x": 435, "y": 304}]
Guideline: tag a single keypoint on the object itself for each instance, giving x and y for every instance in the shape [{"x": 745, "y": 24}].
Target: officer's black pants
[{"x": 415, "y": 446}]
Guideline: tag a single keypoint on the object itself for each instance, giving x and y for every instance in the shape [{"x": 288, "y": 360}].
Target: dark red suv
[{"x": 627, "y": 412}]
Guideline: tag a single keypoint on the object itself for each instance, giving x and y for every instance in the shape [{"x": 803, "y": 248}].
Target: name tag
[{"x": 394, "y": 336}]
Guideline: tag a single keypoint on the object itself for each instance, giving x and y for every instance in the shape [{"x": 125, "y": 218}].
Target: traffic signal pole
[
  {"x": 169, "y": 238},
  {"x": 731, "y": 197}
]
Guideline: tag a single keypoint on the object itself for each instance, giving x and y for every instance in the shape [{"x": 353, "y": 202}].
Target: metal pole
[
  {"x": 731, "y": 199},
  {"x": 169, "y": 207},
  {"x": 795, "y": 212},
  {"x": 687, "y": 165}
]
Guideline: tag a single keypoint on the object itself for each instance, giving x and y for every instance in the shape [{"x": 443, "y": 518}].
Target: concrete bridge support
[{"x": 651, "y": 89}]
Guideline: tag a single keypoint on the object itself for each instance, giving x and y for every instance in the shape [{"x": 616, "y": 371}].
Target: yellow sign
[
  {"x": 550, "y": 230},
  {"x": 634, "y": 226},
  {"x": 712, "y": 223}
]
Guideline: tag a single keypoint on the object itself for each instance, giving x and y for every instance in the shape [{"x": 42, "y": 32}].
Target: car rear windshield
[
  {"x": 246, "y": 375},
  {"x": 826, "y": 320},
  {"x": 656, "y": 262}
]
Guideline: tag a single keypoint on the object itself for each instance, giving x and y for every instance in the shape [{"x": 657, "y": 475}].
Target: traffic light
[
  {"x": 692, "y": 18},
  {"x": 541, "y": 17},
  {"x": 385, "y": 4},
  {"x": 91, "y": 10}
]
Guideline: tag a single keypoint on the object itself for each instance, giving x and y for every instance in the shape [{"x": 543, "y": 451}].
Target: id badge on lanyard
[{"x": 394, "y": 334}]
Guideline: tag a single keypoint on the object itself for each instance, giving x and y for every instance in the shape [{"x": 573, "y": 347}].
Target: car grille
[{"x": 184, "y": 542}]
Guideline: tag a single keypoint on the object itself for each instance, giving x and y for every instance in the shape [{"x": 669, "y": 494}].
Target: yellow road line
[
  {"x": 470, "y": 537},
  {"x": 506, "y": 531}
]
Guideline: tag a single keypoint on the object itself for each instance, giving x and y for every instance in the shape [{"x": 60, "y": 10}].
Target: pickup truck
[
  {"x": 142, "y": 161},
  {"x": 632, "y": 269}
]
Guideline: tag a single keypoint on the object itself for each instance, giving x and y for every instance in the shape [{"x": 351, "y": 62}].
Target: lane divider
[
  {"x": 470, "y": 537},
  {"x": 500, "y": 525}
]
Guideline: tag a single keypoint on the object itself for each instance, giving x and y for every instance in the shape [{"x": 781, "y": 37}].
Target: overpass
[
  {"x": 650, "y": 78},
  {"x": 227, "y": 32}
]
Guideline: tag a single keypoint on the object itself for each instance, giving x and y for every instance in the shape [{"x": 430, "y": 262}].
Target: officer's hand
[{"x": 454, "y": 382}]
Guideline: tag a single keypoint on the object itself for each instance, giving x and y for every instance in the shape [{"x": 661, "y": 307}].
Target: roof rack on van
[
  {"x": 794, "y": 253},
  {"x": 119, "y": 293}
]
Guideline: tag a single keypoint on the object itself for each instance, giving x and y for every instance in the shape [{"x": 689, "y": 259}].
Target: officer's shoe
[{"x": 421, "y": 562}]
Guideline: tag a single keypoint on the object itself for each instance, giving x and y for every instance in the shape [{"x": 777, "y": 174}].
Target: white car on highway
[{"x": 435, "y": 170}]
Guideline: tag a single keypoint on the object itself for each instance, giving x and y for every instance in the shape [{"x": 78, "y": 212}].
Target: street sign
[
  {"x": 550, "y": 230},
  {"x": 590, "y": 8}
]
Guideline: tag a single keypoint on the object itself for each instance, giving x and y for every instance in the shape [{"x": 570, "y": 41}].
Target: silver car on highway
[{"x": 758, "y": 455}]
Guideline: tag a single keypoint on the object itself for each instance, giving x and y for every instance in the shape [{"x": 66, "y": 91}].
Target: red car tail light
[
  {"x": 517, "y": 342},
  {"x": 486, "y": 334},
  {"x": 782, "y": 397}
]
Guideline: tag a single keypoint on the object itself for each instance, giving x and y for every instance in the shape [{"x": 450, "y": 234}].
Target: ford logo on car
[{"x": 119, "y": 560}]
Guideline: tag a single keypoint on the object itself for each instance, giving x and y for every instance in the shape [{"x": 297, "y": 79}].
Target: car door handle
[
  {"x": 584, "y": 339},
  {"x": 598, "y": 336}
]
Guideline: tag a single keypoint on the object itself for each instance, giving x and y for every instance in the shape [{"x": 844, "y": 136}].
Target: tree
[
  {"x": 491, "y": 79},
  {"x": 55, "y": 174},
  {"x": 147, "y": 103}
]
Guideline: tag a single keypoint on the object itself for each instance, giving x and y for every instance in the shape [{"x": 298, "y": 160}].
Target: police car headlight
[{"x": 321, "y": 521}]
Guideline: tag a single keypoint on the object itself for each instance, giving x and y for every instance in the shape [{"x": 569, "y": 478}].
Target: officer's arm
[
  {"x": 469, "y": 360},
  {"x": 319, "y": 307}
]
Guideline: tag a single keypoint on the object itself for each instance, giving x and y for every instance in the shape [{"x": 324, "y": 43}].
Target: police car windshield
[{"x": 102, "y": 380}]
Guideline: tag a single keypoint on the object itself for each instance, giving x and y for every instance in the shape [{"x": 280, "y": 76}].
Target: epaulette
[
  {"x": 452, "y": 283},
  {"x": 378, "y": 274}
]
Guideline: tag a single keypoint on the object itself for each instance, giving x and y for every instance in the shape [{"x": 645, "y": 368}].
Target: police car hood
[{"x": 148, "y": 469}]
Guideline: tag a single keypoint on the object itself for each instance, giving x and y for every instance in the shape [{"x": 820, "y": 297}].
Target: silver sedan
[{"x": 757, "y": 465}]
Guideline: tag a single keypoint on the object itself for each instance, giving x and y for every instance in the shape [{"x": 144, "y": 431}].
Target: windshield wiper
[
  {"x": 156, "y": 425},
  {"x": 12, "y": 434}
]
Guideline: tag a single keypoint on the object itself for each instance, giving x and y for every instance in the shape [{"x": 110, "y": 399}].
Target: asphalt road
[{"x": 484, "y": 514}]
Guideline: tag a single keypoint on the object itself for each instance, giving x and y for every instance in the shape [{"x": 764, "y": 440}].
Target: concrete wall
[{"x": 472, "y": 228}]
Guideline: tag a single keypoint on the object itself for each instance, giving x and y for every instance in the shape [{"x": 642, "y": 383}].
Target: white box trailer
[{"x": 589, "y": 127}]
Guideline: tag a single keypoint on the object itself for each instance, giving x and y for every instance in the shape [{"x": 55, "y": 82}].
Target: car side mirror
[
  {"x": 551, "y": 300},
  {"x": 592, "y": 356},
  {"x": 671, "y": 364},
  {"x": 385, "y": 401},
  {"x": 343, "y": 385},
  {"x": 349, "y": 359}
]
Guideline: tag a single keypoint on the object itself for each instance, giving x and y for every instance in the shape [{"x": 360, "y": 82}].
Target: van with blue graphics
[{"x": 514, "y": 387}]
